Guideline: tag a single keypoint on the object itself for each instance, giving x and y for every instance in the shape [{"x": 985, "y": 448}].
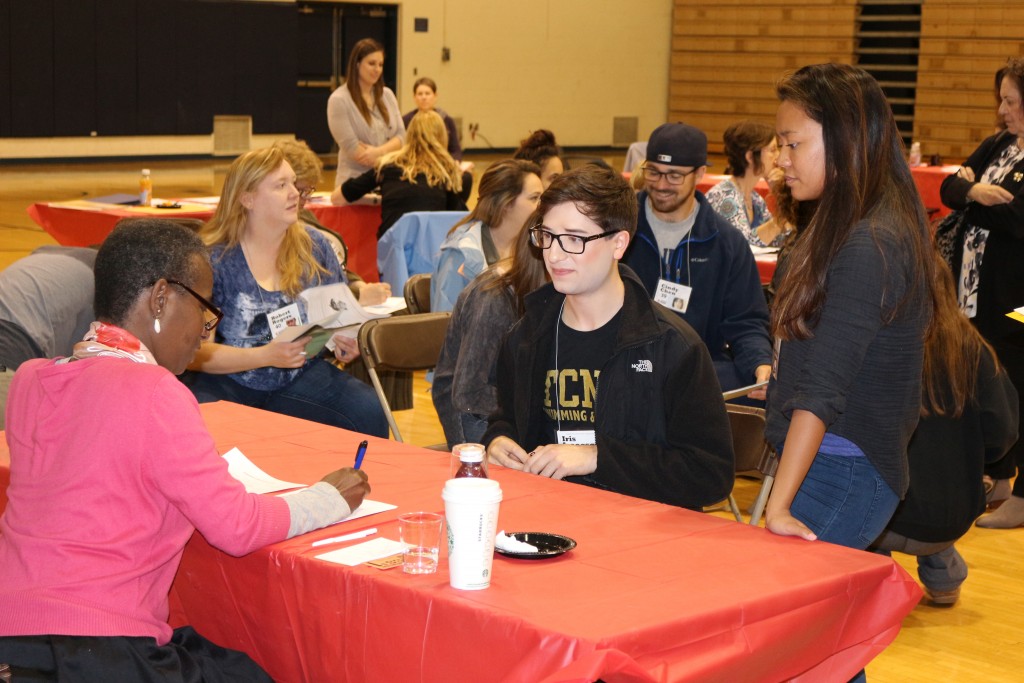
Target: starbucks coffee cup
[{"x": 471, "y": 512}]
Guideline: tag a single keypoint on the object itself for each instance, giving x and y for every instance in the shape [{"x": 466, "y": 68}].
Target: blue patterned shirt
[{"x": 245, "y": 305}]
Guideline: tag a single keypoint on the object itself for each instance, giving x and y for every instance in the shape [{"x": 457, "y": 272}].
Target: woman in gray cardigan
[{"x": 363, "y": 115}]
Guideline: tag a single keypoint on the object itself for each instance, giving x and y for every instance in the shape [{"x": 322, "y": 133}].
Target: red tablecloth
[
  {"x": 928, "y": 180},
  {"x": 80, "y": 223},
  {"x": 651, "y": 593}
]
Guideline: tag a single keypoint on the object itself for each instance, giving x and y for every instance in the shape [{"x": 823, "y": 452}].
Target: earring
[{"x": 156, "y": 325}]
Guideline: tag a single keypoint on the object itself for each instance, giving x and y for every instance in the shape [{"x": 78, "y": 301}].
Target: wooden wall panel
[
  {"x": 727, "y": 55},
  {"x": 962, "y": 46}
]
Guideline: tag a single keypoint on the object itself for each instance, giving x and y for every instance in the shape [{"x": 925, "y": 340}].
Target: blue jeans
[
  {"x": 940, "y": 566},
  {"x": 844, "y": 500},
  {"x": 321, "y": 393}
]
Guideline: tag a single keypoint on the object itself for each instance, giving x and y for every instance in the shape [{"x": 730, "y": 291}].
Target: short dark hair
[
  {"x": 600, "y": 194},
  {"x": 137, "y": 253},
  {"x": 424, "y": 80},
  {"x": 743, "y": 137}
]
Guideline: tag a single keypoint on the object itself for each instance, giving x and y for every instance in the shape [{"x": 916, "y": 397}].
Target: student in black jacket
[{"x": 597, "y": 384}]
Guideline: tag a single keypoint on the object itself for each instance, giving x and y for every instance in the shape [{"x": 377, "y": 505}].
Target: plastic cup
[
  {"x": 471, "y": 511},
  {"x": 422, "y": 532}
]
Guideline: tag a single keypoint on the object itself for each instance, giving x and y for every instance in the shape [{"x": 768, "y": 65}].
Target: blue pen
[{"x": 360, "y": 452}]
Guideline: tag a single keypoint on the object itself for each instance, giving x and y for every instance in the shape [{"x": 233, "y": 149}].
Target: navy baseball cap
[{"x": 677, "y": 144}]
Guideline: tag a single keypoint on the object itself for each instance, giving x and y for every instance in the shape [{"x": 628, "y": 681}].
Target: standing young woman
[
  {"x": 363, "y": 115},
  {"x": 509, "y": 192},
  {"x": 851, "y": 313},
  {"x": 263, "y": 258}
]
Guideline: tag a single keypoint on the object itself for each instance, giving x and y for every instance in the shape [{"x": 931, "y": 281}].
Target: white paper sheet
[
  {"x": 392, "y": 305},
  {"x": 364, "y": 552},
  {"x": 252, "y": 477}
]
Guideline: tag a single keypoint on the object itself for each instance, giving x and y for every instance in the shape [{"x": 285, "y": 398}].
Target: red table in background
[
  {"x": 81, "y": 223},
  {"x": 652, "y": 593},
  {"x": 929, "y": 180}
]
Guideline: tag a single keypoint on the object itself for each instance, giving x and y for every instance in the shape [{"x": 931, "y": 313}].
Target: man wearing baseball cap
[{"x": 686, "y": 254}]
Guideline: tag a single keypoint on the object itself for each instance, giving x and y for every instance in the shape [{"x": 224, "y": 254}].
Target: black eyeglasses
[
  {"x": 306, "y": 192},
  {"x": 217, "y": 313},
  {"x": 570, "y": 244},
  {"x": 673, "y": 177}
]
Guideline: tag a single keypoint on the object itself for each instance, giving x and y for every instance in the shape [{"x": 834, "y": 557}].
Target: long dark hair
[
  {"x": 866, "y": 178},
  {"x": 525, "y": 273},
  {"x": 500, "y": 184},
  {"x": 952, "y": 352},
  {"x": 366, "y": 46}
]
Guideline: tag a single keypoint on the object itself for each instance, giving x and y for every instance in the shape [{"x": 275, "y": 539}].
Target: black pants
[{"x": 187, "y": 658}]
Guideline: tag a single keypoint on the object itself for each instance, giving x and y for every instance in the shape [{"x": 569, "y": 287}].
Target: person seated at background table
[
  {"x": 597, "y": 384},
  {"x": 983, "y": 242},
  {"x": 463, "y": 388},
  {"x": 362, "y": 114},
  {"x": 421, "y": 176},
  {"x": 112, "y": 470},
  {"x": 45, "y": 307},
  {"x": 509, "y": 192},
  {"x": 683, "y": 249},
  {"x": 751, "y": 150},
  {"x": 263, "y": 258},
  {"x": 424, "y": 90},
  {"x": 308, "y": 169},
  {"x": 969, "y": 418},
  {"x": 540, "y": 148}
]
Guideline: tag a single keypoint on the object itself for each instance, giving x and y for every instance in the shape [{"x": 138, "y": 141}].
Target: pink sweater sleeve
[{"x": 187, "y": 470}]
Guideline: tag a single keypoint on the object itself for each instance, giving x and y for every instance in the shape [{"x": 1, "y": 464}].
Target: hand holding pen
[{"x": 351, "y": 482}]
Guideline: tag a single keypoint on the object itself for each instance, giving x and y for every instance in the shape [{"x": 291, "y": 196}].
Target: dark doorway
[{"x": 326, "y": 34}]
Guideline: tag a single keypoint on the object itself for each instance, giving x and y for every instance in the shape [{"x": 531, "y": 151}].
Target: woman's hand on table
[
  {"x": 785, "y": 524},
  {"x": 288, "y": 355},
  {"x": 352, "y": 484},
  {"x": 989, "y": 195},
  {"x": 346, "y": 349},
  {"x": 373, "y": 293},
  {"x": 558, "y": 461},
  {"x": 507, "y": 453}
]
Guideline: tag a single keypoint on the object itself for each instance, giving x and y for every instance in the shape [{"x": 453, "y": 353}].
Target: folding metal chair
[
  {"x": 404, "y": 342},
  {"x": 752, "y": 454},
  {"x": 417, "y": 293}
]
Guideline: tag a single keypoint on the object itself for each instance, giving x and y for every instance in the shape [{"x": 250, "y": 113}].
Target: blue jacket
[{"x": 727, "y": 307}]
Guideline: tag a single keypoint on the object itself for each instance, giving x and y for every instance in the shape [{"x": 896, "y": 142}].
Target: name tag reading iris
[
  {"x": 577, "y": 437},
  {"x": 673, "y": 295},
  {"x": 286, "y": 316}
]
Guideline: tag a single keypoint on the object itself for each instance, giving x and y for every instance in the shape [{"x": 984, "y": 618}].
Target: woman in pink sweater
[{"x": 112, "y": 470}]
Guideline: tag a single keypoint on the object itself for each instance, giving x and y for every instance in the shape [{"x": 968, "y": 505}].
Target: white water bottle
[{"x": 915, "y": 154}]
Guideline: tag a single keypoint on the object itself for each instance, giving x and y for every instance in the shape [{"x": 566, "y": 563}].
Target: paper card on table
[
  {"x": 392, "y": 305},
  {"x": 1017, "y": 314},
  {"x": 395, "y": 560},
  {"x": 364, "y": 552},
  {"x": 252, "y": 477}
]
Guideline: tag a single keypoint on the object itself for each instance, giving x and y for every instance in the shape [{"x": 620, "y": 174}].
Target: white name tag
[
  {"x": 578, "y": 437},
  {"x": 286, "y": 316},
  {"x": 673, "y": 295}
]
